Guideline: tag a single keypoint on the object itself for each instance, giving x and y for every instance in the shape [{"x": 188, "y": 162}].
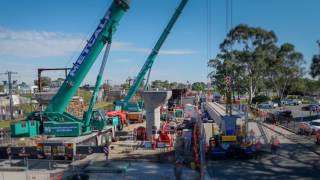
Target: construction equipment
[
  {"x": 126, "y": 103},
  {"x": 54, "y": 121}
]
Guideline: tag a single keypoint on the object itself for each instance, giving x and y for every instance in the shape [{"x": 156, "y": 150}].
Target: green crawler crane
[{"x": 54, "y": 121}]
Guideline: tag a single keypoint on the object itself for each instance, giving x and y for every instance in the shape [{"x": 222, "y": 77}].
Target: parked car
[
  {"x": 299, "y": 101},
  {"x": 292, "y": 102},
  {"x": 265, "y": 105},
  {"x": 310, "y": 107},
  {"x": 284, "y": 114},
  {"x": 274, "y": 104},
  {"x": 315, "y": 125},
  {"x": 304, "y": 128},
  {"x": 284, "y": 102},
  {"x": 309, "y": 127},
  {"x": 279, "y": 117}
]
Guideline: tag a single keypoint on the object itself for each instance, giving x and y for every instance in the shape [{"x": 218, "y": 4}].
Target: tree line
[
  {"x": 165, "y": 84},
  {"x": 251, "y": 61}
]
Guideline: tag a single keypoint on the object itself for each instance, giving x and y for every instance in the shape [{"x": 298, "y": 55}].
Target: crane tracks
[{"x": 263, "y": 133}]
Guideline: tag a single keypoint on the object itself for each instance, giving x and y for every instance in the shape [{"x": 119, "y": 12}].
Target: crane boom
[
  {"x": 54, "y": 121},
  {"x": 87, "y": 116},
  {"x": 88, "y": 56},
  {"x": 151, "y": 58}
]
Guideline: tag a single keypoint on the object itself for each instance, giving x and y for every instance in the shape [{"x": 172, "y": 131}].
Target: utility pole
[{"x": 9, "y": 74}]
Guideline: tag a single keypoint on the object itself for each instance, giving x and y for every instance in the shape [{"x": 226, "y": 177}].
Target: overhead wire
[{"x": 208, "y": 41}]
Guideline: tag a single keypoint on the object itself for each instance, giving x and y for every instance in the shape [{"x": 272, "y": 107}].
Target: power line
[
  {"x": 229, "y": 15},
  {"x": 209, "y": 39},
  {"x": 9, "y": 74}
]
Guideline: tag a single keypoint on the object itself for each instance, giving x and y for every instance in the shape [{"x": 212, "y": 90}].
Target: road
[
  {"x": 293, "y": 161},
  {"x": 297, "y": 113},
  {"x": 298, "y": 116}
]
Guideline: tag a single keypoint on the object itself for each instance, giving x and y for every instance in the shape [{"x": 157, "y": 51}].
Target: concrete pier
[{"x": 153, "y": 101}]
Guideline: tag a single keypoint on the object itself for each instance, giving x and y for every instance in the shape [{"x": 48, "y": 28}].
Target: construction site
[{"x": 248, "y": 121}]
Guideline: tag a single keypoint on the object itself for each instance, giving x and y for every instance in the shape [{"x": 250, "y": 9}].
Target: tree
[
  {"x": 85, "y": 94},
  {"x": 242, "y": 56},
  {"x": 315, "y": 66},
  {"x": 24, "y": 84},
  {"x": 198, "y": 86},
  {"x": 182, "y": 86},
  {"x": 160, "y": 84},
  {"x": 45, "y": 81},
  {"x": 217, "y": 76},
  {"x": 1, "y": 87},
  {"x": 173, "y": 85},
  {"x": 284, "y": 67},
  {"x": 299, "y": 86},
  {"x": 125, "y": 86}
]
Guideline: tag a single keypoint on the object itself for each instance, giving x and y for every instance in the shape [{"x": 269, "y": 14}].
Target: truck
[{"x": 61, "y": 131}]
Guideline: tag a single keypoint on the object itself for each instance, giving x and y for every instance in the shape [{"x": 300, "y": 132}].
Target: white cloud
[
  {"x": 177, "y": 52},
  {"x": 128, "y": 47},
  {"x": 34, "y": 44}
]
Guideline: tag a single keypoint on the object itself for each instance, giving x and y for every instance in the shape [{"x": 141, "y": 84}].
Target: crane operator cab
[{"x": 99, "y": 121}]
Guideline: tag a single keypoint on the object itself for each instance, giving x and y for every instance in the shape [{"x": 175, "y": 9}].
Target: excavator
[
  {"x": 126, "y": 106},
  {"x": 54, "y": 121}
]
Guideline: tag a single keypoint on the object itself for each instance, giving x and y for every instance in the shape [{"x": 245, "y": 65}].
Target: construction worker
[
  {"x": 258, "y": 147},
  {"x": 106, "y": 150},
  {"x": 178, "y": 170},
  {"x": 275, "y": 143},
  {"x": 179, "y": 144},
  {"x": 252, "y": 135},
  {"x": 318, "y": 137}
]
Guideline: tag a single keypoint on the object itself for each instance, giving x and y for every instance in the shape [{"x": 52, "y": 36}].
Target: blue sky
[{"x": 46, "y": 33}]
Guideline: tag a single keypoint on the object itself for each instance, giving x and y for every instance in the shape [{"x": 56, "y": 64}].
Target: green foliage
[
  {"x": 243, "y": 101},
  {"x": 260, "y": 99},
  {"x": 45, "y": 81},
  {"x": 125, "y": 86},
  {"x": 245, "y": 62},
  {"x": 26, "y": 108},
  {"x": 160, "y": 84},
  {"x": 255, "y": 63},
  {"x": 292, "y": 97},
  {"x": 275, "y": 98},
  {"x": 198, "y": 86},
  {"x": 1, "y": 87},
  {"x": 315, "y": 66},
  {"x": 86, "y": 95},
  {"x": 285, "y": 67},
  {"x": 27, "y": 95},
  {"x": 306, "y": 101},
  {"x": 5, "y": 124}
]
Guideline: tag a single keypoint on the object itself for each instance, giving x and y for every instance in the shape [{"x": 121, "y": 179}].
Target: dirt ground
[{"x": 129, "y": 149}]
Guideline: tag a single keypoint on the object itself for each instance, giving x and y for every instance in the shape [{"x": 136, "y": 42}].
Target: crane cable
[
  {"x": 228, "y": 75},
  {"x": 208, "y": 42},
  {"x": 229, "y": 15}
]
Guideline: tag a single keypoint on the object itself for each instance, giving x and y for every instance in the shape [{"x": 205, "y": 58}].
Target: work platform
[{"x": 226, "y": 123}]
